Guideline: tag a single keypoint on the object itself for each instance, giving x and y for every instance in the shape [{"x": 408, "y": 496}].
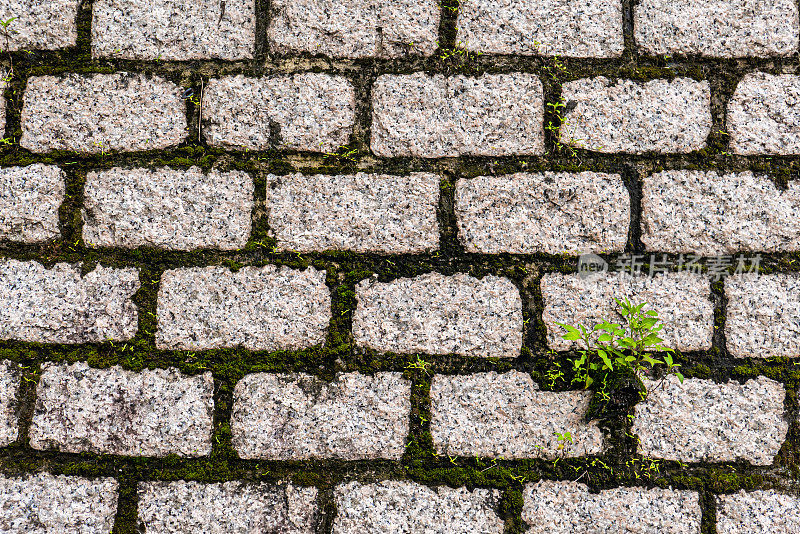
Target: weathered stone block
[
  {"x": 764, "y": 115},
  {"x": 39, "y": 25},
  {"x": 757, "y": 511},
  {"x": 10, "y": 379},
  {"x": 293, "y": 417},
  {"x": 29, "y": 201}
]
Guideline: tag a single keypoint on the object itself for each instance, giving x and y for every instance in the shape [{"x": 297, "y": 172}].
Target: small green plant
[{"x": 619, "y": 347}]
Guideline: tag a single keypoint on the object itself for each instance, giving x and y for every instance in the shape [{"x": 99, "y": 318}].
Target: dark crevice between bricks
[
  {"x": 263, "y": 14},
  {"x": 448, "y": 25},
  {"x": 630, "y": 52},
  {"x": 708, "y": 507},
  {"x": 126, "y": 520},
  {"x": 26, "y": 400},
  {"x": 326, "y": 504},
  {"x": 449, "y": 243},
  {"x": 633, "y": 183}
]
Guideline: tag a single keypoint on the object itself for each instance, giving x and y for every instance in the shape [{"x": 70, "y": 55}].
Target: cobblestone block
[
  {"x": 230, "y": 508},
  {"x": 39, "y": 25},
  {"x": 569, "y": 508},
  {"x": 310, "y": 111},
  {"x": 167, "y": 208},
  {"x": 439, "y": 314},
  {"x": 29, "y": 201},
  {"x": 435, "y": 116},
  {"x": 296, "y": 417},
  {"x": 716, "y": 28},
  {"x": 682, "y": 300},
  {"x": 99, "y": 113},
  {"x": 174, "y": 29},
  {"x": 42, "y": 504},
  {"x": 764, "y": 115},
  {"x": 757, "y": 511},
  {"x": 576, "y": 28},
  {"x": 261, "y": 308},
  {"x": 710, "y": 214},
  {"x": 112, "y": 411},
  {"x": 702, "y": 421},
  {"x": 504, "y": 415},
  {"x": 392, "y": 506},
  {"x": 551, "y": 212},
  {"x": 59, "y": 305},
  {"x": 660, "y": 116},
  {"x": 762, "y": 319},
  {"x": 3, "y": 103},
  {"x": 355, "y": 29},
  {"x": 10, "y": 378},
  {"x": 362, "y": 212}
]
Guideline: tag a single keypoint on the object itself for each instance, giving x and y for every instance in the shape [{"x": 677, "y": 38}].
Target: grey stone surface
[
  {"x": 98, "y": 113},
  {"x": 295, "y": 417},
  {"x": 505, "y": 415},
  {"x": 112, "y": 411},
  {"x": 702, "y": 421},
  {"x": 228, "y": 508},
  {"x": 309, "y": 111},
  {"x": 716, "y": 28},
  {"x": 764, "y": 115},
  {"x": 174, "y": 29},
  {"x": 39, "y": 25},
  {"x": 167, "y": 208},
  {"x": 29, "y": 201},
  {"x": 551, "y": 507},
  {"x": 3, "y": 103},
  {"x": 58, "y": 305},
  {"x": 45, "y": 504},
  {"x": 577, "y": 28},
  {"x": 362, "y": 212},
  {"x": 393, "y": 506},
  {"x": 758, "y": 511},
  {"x": 682, "y": 300},
  {"x": 437, "y": 116},
  {"x": 439, "y": 314},
  {"x": 354, "y": 29},
  {"x": 710, "y": 214},
  {"x": 627, "y": 116},
  {"x": 261, "y": 308},
  {"x": 10, "y": 379},
  {"x": 762, "y": 318},
  {"x": 552, "y": 212}
]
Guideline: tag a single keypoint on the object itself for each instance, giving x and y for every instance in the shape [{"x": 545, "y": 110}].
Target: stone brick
[
  {"x": 362, "y": 212},
  {"x": 551, "y": 212},
  {"x": 703, "y": 421},
  {"x": 231, "y": 507},
  {"x": 309, "y": 111},
  {"x": 660, "y": 116},
  {"x": 42, "y": 504},
  {"x": 29, "y": 201},
  {"x": 551, "y": 507},
  {"x": 98, "y": 113},
  {"x": 167, "y": 208},
  {"x": 758, "y": 511},
  {"x": 174, "y": 29},
  {"x": 10, "y": 379},
  {"x": 710, "y": 214},
  {"x": 440, "y": 314},
  {"x": 3, "y": 103},
  {"x": 435, "y": 116},
  {"x": 762, "y": 318},
  {"x": 764, "y": 115},
  {"x": 112, "y": 411},
  {"x": 39, "y": 25},
  {"x": 491, "y": 415},
  {"x": 354, "y": 29},
  {"x": 577, "y": 28},
  {"x": 716, "y": 28},
  {"x": 296, "y": 417},
  {"x": 58, "y": 305},
  {"x": 682, "y": 300},
  {"x": 393, "y": 506},
  {"x": 261, "y": 308}
]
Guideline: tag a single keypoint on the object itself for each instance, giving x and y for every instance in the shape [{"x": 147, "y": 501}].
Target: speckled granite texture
[
  {"x": 286, "y": 417},
  {"x": 29, "y": 201},
  {"x": 10, "y": 382},
  {"x": 757, "y": 511},
  {"x": 39, "y": 25},
  {"x": 763, "y": 115}
]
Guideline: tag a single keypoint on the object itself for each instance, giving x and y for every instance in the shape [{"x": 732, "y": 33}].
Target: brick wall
[{"x": 299, "y": 267}]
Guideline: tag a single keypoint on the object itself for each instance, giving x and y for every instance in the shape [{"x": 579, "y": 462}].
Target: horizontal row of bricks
[
  {"x": 271, "y": 308},
  {"x": 155, "y": 413},
  {"x": 156, "y": 30},
  {"x": 372, "y": 508},
  {"x": 523, "y": 213},
  {"x": 421, "y": 115}
]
